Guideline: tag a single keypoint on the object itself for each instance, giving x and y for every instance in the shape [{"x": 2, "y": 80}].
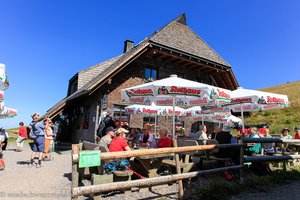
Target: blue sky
[{"x": 44, "y": 43}]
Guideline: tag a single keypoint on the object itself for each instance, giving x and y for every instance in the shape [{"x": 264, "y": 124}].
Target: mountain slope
[{"x": 284, "y": 118}]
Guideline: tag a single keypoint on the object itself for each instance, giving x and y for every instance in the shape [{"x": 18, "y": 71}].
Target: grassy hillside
[{"x": 278, "y": 119}]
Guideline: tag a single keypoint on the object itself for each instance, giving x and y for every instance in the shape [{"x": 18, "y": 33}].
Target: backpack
[
  {"x": 101, "y": 128},
  {"x": 30, "y": 133}
]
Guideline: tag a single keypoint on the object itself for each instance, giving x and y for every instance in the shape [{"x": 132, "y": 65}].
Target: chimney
[{"x": 128, "y": 44}]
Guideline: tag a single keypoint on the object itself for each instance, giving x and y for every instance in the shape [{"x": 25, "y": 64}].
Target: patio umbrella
[
  {"x": 8, "y": 112},
  {"x": 174, "y": 91},
  {"x": 4, "y": 83},
  {"x": 253, "y": 100}
]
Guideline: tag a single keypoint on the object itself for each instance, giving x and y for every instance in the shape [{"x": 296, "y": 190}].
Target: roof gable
[
  {"x": 88, "y": 74},
  {"x": 178, "y": 35}
]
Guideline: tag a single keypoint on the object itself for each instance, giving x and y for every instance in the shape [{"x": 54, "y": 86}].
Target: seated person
[
  {"x": 267, "y": 147},
  {"x": 225, "y": 137},
  {"x": 135, "y": 134},
  {"x": 164, "y": 140},
  {"x": 297, "y": 133},
  {"x": 119, "y": 142},
  {"x": 147, "y": 139},
  {"x": 106, "y": 140},
  {"x": 253, "y": 148},
  {"x": 285, "y": 134}
]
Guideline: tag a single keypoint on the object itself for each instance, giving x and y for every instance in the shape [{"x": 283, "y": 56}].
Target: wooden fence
[{"x": 93, "y": 189}]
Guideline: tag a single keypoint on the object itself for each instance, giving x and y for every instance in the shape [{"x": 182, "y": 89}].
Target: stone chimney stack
[{"x": 128, "y": 44}]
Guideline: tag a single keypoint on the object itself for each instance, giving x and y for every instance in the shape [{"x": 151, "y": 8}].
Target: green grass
[
  {"x": 279, "y": 119},
  {"x": 251, "y": 184}
]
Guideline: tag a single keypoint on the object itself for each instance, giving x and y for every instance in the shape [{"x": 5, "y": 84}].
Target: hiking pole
[{"x": 140, "y": 176}]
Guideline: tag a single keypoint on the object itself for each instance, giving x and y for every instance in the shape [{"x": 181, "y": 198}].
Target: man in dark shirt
[
  {"x": 108, "y": 121},
  {"x": 225, "y": 137}
]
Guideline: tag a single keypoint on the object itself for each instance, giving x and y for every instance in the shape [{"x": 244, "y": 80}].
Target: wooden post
[
  {"x": 178, "y": 171},
  {"x": 75, "y": 174}
]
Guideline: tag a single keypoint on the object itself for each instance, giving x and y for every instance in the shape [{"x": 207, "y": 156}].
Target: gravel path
[
  {"x": 19, "y": 181},
  {"x": 52, "y": 181}
]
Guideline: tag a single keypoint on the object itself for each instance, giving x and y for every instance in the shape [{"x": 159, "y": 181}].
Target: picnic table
[{"x": 147, "y": 165}]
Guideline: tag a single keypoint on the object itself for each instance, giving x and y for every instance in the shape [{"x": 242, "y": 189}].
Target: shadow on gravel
[
  {"x": 158, "y": 195},
  {"x": 68, "y": 176},
  {"x": 23, "y": 162}
]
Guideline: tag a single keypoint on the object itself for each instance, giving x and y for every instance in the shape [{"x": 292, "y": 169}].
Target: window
[
  {"x": 150, "y": 73},
  {"x": 74, "y": 87}
]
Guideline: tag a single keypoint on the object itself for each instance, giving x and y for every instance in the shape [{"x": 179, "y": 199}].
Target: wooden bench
[{"x": 186, "y": 164}]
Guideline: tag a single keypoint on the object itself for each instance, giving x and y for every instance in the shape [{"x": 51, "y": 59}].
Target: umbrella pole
[
  {"x": 243, "y": 125},
  {"x": 242, "y": 149},
  {"x": 178, "y": 169}
]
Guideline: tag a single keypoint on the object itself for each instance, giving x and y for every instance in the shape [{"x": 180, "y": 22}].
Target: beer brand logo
[
  {"x": 199, "y": 102},
  {"x": 223, "y": 94},
  {"x": 184, "y": 91},
  {"x": 137, "y": 100},
  {"x": 139, "y": 92},
  {"x": 274, "y": 100},
  {"x": 149, "y": 111},
  {"x": 164, "y": 102},
  {"x": 241, "y": 100}
]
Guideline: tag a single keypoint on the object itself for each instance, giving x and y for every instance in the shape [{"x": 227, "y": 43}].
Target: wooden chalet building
[{"x": 173, "y": 49}]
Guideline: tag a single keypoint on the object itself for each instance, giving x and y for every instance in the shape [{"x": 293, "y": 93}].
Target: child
[{"x": 2, "y": 164}]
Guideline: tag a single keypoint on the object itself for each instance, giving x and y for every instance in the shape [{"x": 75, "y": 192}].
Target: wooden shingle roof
[{"x": 177, "y": 35}]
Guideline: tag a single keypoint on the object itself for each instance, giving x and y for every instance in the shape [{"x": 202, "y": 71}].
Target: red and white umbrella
[
  {"x": 4, "y": 83},
  {"x": 153, "y": 110},
  {"x": 254, "y": 100},
  {"x": 8, "y": 112},
  {"x": 175, "y": 91},
  {"x": 186, "y": 93}
]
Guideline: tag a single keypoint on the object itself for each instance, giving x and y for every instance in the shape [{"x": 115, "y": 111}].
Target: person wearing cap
[
  {"x": 108, "y": 121},
  {"x": 106, "y": 140},
  {"x": 22, "y": 137},
  {"x": 285, "y": 134},
  {"x": 119, "y": 142},
  {"x": 38, "y": 128},
  {"x": 297, "y": 133}
]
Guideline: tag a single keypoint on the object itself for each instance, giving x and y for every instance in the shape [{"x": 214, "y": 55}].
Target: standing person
[
  {"x": 217, "y": 129},
  {"x": 38, "y": 128},
  {"x": 106, "y": 140},
  {"x": 119, "y": 142},
  {"x": 22, "y": 137},
  {"x": 49, "y": 136},
  {"x": 108, "y": 121},
  {"x": 147, "y": 139},
  {"x": 3, "y": 138},
  {"x": 164, "y": 140}
]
